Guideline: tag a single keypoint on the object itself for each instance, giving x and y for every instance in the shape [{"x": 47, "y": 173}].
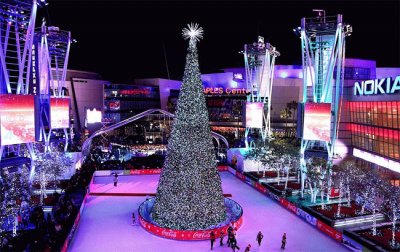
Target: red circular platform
[
  {"x": 187, "y": 235},
  {"x": 235, "y": 219}
]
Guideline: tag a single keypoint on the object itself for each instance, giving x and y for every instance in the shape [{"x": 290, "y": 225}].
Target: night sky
[{"x": 124, "y": 40}]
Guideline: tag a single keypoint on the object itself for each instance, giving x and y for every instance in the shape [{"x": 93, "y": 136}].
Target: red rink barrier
[
  {"x": 240, "y": 175},
  {"x": 260, "y": 188},
  {"x": 329, "y": 231},
  {"x": 291, "y": 207},
  {"x": 145, "y": 171},
  {"x": 158, "y": 171},
  {"x": 187, "y": 235}
]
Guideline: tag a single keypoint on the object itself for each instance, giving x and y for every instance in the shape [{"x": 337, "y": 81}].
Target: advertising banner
[
  {"x": 17, "y": 119},
  {"x": 260, "y": 188},
  {"x": 248, "y": 181},
  {"x": 145, "y": 171},
  {"x": 351, "y": 244},
  {"x": 274, "y": 196},
  {"x": 307, "y": 217},
  {"x": 186, "y": 235},
  {"x": 240, "y": 175},
  {"x": 59, "y": 113},
  {"x": 254, "y": 114},
  {"x": 329, "y": 231},
  {"x": 291, "y": 207},
  {"x": 317, "y": 121}
]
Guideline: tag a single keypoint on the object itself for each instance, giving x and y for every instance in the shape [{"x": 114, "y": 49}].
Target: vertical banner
[{"x": 317, "y": 121}]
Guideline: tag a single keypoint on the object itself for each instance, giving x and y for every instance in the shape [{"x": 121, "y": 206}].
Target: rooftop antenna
[{"x": 166, "y": 61}]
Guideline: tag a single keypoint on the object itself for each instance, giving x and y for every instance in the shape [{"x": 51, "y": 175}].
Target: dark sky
[{"x": 123, "y": 40}]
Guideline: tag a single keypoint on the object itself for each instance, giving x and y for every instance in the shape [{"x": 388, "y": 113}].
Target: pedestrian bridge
[{"x": 86, "y": 145}]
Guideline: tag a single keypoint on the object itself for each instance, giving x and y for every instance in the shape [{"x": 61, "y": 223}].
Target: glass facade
[
  {"x": 124, "y": 101},
  {"x": 375, "y": 127}
]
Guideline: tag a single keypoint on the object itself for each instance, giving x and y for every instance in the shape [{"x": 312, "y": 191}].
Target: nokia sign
[{"x": 377, "y": 86}]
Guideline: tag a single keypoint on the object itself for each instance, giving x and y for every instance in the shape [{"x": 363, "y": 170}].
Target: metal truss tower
[
  {"x": 17, "y": 22},
  {"x": 259, "y": 59},
  {"x": 51, "y": 49},
  {"x": 323, "y": 54}
]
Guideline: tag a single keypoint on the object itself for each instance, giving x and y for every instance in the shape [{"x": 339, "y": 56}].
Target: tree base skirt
[{"x": 235, "y": 218}]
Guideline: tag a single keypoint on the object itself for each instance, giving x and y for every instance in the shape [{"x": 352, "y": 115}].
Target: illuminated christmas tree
[{"x": 189, "y": 194}]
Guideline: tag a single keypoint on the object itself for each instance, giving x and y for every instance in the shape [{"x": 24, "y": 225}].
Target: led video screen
[
  {"x": 317, "y": 121},
  {"x": 93, "y": 116},
  {"x": 59, "y": 113},
  {"x": 17, "y": 119},
  {"x": 114, "y": 105},
  {"x": 254, "y": 114}
]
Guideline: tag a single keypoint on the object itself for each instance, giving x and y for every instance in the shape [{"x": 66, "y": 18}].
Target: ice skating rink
[{"x": 106, "y": 222}]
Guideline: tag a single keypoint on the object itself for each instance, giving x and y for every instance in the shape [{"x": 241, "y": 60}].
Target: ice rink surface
[{"x": 106, "y": 223}]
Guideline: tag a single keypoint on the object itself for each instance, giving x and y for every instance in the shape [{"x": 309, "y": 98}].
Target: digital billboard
[
  {"x": 317, "y": 121},
  {"x": 93, "y": 116},
  {"x": 17, "y": 119},
  {"x": 114, "y": 105},
  {"x": 254, "y": 114},
  {"x": 59, "y": 113}
]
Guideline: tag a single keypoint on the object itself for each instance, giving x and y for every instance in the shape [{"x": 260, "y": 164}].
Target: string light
[{"x": 189, "y": 194}]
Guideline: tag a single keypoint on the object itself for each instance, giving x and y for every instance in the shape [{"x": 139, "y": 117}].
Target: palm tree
[
  {"x": 292, "y": 106},
  {"x": 286, "y": 114}
]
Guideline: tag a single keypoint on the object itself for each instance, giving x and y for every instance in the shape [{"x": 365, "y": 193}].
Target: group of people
[{"x": 232, "y": 242}]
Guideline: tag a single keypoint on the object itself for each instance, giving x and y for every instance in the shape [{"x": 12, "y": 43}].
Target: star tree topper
[{"x": 193, "y": 32}]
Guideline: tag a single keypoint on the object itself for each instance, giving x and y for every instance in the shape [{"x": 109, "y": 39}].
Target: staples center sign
[{"x": 378, "y": 86}]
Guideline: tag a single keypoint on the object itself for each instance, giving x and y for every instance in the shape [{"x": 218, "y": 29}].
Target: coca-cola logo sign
[
  {"x": 169, "y": 233},
  {"x": 201, "y": 235},
  {"x": 260, "y": 188}
]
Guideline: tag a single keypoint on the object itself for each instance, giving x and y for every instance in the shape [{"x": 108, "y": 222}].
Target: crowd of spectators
[{"x": 48, "y": 232}]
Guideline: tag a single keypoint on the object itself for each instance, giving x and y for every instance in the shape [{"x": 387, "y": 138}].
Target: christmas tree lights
[{"x": 189, "y": 194}]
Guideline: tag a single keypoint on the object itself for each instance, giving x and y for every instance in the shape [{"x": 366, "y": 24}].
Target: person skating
[
  {"x": 283, "y": 241},
  {"x": 230, "y": 229},
  {"x": 234, "y": 244},
  {"x": 212, "y": 238},
  {"x": 133, "y": 218},
  {"x": 115, "y": 179},
  {"x": 247, "y": 248},
  {"x": 259, "y": 238},
  {"x": 221, "y": 236}
]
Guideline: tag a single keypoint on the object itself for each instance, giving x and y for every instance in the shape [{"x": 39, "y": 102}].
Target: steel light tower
[
  {"x": 323, "y": 54},
  {"x": 17, "y": 22},
  {"x": 259, "y": 59},
  {"x": 51, "y": 48}
]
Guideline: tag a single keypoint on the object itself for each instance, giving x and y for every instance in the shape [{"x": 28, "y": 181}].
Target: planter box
[
  {"x": 356, "y": 239},
  {"x": 367, "y": 218}
]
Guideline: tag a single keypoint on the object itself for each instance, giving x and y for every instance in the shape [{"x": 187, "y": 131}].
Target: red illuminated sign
[
  {"x": 329, "y": 231},
  {"x": 220, "y": 90},
  {"x": 185, "y": 234},
  {"x": 135, "y": 92}
]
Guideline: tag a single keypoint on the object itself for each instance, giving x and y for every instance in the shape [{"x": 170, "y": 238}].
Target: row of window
[
  {"x": 378, "y": 140},
  {"x": 382, "y": 114}
]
